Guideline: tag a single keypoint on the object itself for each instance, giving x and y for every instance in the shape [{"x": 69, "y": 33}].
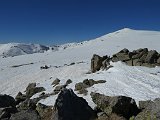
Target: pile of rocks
[
  {"x": 140, "y": 57},
  {"x": 68, "y": 106}
]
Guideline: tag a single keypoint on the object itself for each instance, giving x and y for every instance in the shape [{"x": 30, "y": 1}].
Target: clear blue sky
[{"x": 62, "y": 21}]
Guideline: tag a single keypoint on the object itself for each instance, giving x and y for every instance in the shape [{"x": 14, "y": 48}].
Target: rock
[
  {"x": 100, "y": 81},
  {"x": 79, "y": 86},
  {"x": 158, "y": 60},
  {"x": 83, "y": 91},
  {"x": 151, "y": 57},
  {"x": 28, "y": 104},
  {"x": 56, "y": 82},
  {"x": 45, "y": 112},
  {"x": 7, "y": 101},
  {"x": 120, "y": 105},
  {"x": 69, "y": 81},
  {"x": 20, "y": 98},
  {"x": 25, "y": 115},
  {"x": 6, "y": 112},
  {"x": 144, "y": 104},
  {"x": 44, "y": 67},
  {"x": 96, "y": 62},
  {"x": 123, "y": 57},
  {"x": 89, "y": 83},
  {"x": 59, "y": 88},
  {"x": 31, "y": 85},
  {"x": 69, "y": 106},
  {"x": 151, "y": 110},
  {"x": 73, "y": 63},
  {"x": 106, "y": 64},
  {"x": 124, "y": 51},
  {"x": 30, "y": 92}
]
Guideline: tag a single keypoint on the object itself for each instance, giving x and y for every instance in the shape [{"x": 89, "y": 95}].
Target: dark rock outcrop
[
  {"x": 7, "y": 101},
  {"x": 69, "y": 106},
  {"x": 120, "y": 105},
  {"x": 7, "y": 106}
]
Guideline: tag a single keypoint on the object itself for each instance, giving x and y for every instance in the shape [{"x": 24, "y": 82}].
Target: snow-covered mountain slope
[
  {"x": 15, "y": 49},
  {"x": 141, "y": 83}
]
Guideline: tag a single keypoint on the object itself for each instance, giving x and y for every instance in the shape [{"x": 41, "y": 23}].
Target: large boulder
[
  {"x": 96, "y": 62},
  {"x": 25, "y": 115},
  {"x": 120, "y": 105},
  {"x": 69, "y": 106},
  {"x": 7, "y": 101},
  {"x": 150, "y": 110}
]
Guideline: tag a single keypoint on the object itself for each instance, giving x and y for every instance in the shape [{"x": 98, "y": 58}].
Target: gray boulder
[
  {"x": 150, "y": 110},
  {"x": 25, "y": 115},
  {"x": 120, "y": 105}
]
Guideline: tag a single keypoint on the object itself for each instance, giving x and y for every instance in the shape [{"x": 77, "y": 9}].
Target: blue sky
[{"x": 62, "y": 21}]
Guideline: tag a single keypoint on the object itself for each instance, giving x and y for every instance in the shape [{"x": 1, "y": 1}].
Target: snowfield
[{"x": 140, "y": 83}]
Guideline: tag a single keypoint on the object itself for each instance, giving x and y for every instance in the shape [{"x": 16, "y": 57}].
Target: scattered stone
[
  {"x": 69, "y": 106},
  {"x": 120, "y": 105},
  {"x": 73, "y": 63},
  {"x": 58, "y": 89},
  {"x": 30, "y": 92},
  {"x": 80, "y": 86},
  {"x": 69, "y": 81},
  {"x": 44, "y": 67},
  {"x": 56, "y": 82}
]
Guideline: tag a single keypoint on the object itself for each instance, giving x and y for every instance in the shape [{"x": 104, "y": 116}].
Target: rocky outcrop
[
  {"x": 120, "y": 105},
  {"x": 69, "y": 106},
  {"x": 139, "y": 57},
  {"x": 150, "y": 110}
]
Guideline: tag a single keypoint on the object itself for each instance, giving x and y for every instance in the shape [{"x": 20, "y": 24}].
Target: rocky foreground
[{"x": 68, "y": 106}]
